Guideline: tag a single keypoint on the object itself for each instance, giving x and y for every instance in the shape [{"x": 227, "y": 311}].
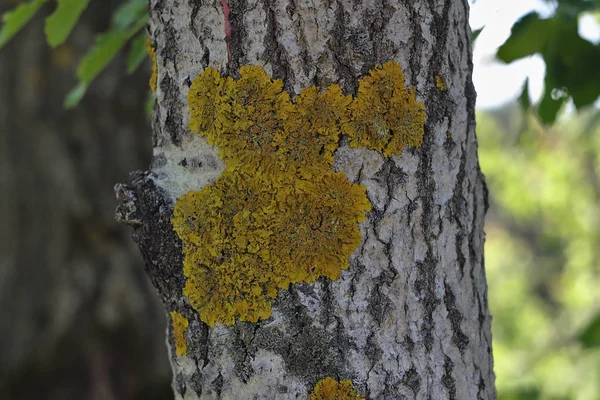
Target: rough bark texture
[
  {"x": 79, "y": 318},
  {"x": 409, "y": 319}
]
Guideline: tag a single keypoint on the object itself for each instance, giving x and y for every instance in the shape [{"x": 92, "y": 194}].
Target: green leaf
[
  {"x": 60, "y": 24},
  {"x": 128, "y": 13},
  {"x": 528, "y": 36},
  {"x": 104, "y": 50},
  {"x": 15, "y": 19},
  {"x": 100, "y": 54},
  {"x": 590, "y": 336},
  {"x": 550, "y": 105},
  {"x": 572, "y": 63},
  {"x": 107, "y": 46},
  {"x": 475, "y": 34},
  {"x": 75, "y": 95},
  {"x": 137, "y": 52}
]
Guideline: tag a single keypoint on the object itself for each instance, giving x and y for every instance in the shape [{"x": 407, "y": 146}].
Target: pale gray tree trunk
[{"x": 409, "y": 319}]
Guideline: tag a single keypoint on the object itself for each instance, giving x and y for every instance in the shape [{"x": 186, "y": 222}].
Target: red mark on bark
[{"x": 227, "y": 26}]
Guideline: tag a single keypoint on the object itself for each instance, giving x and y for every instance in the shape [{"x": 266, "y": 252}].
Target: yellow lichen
[
  {"x": 440, "y": 83},
  {"x": 278, "y": 214},
  {"x": 330, "y": 389},
  {"x": 152, "y": 52},
  {"x": 247, "y": 236},
  {"x": 254, "y": 101},
  {"x": 318, "y": 228},
  {"x": 385, "y": 115},
  {"x": 208, "y": 113},
  {"x": 180, "y": 325},
  {"x": 313, "y": 127},
  {"x": 254, "y": 123}
]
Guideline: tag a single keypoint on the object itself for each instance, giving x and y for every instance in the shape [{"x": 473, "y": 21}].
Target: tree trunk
[
  {"x": 409, "y": 318},
  {"x": 79, "y": 318}
]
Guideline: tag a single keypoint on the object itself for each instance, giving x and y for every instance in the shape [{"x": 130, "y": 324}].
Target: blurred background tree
[{"x": 80, "y": 320}]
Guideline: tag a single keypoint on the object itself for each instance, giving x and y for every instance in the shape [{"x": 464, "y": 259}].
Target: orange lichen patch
[
  {"x": 385, "y": 115},
  {"x": 313, "y": 125},
  {"x": 440, "y": 83},
  {"x": 211, "y": 220},
  {"x": 248, "y": 236},
  {"x": 330, "y": 389},
  {"x": 225, "y": 228},
  {"x": 254, "y": 100},
  {"x": 209, "y": 111},
  {"x": 240, "y": 117},
  {"x": 233, "y": 288},
  {"x": 279, "y": 214},
  {"x": 152, "y": 53},
  {"x": 256, "y": 125},
  {"x": 320, "y": 229},
  {"x": 180, "y": 325}
]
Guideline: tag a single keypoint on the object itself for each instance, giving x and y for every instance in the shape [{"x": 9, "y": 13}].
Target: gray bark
[
  {"x": 409, "y": 319},
  {"x": 79, "y": 317}
]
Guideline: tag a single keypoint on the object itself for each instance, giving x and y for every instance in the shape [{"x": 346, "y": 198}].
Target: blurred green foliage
[
  {"x": 542, "y": 253},
  {"x": 15, "y": 19},
  {"x": 62, "y": 21},
  {"x": 102, "y": 52},
  {"x": 130, "y": 18},
  {"x": 572, "y": 71}
]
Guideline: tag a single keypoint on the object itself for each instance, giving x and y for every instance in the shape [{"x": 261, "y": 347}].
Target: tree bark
[
  {"x": 79, "y": 317},
  {"x": 409, "y": 319}
]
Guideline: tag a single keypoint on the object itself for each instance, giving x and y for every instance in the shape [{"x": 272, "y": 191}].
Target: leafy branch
[
  {"x": 127, "y": 21},
  {"x": 571, "y": 61}
]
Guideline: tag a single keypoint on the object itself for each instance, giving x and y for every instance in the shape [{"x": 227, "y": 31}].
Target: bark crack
[{"x": 455, "y": 316}]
